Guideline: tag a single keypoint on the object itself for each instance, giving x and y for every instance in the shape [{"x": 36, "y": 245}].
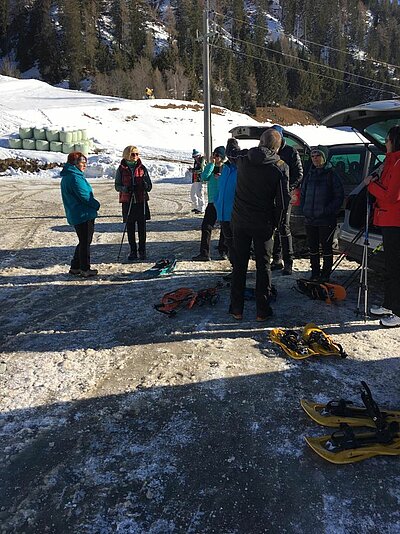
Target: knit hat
[
  {"x": 232, "y": 148},
  {"x": 219, "y": 151},
  {"x": 195, "y": 153},
  {"x": 278, "y": 128},
  {"x": 323, "y": 150}
]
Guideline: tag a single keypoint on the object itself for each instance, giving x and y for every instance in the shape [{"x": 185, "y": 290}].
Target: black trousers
[
  {"x": 391, "y": 247},
  {"x": 81, "y": 258},
  {"x": 283, "y": 242},
  {"x": 209, "y": 220},
  {"x": 323, "y": 235},
  {"x": 226, "y": 230},
  {"x": 137, "y": 216},
  {"x": 263, "y": 243}
]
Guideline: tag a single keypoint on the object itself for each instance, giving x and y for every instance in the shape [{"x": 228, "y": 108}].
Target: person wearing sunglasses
[
  {"x": 385, "y": 187},
  {"x": 133, "y": 183},
  {"x": 81, "y": 210},
  {"x": 322, "y": 196}
]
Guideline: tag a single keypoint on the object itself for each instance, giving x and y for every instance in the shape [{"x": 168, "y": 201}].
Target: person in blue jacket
[
  {"x": 81, "y": 210},
  {"x": 226, "y": 195},
  {"x": 321, "y": 198}
]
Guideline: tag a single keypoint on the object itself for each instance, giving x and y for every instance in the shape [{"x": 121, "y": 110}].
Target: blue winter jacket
[
  {"x": 77, "y": 196},
  {"x": 322, "y": 196},
  {"x": 226, "y": 192}
]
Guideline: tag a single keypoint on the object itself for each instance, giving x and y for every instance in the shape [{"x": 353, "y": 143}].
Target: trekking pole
[
  {"x": 363, "y": 284},
  {"x": 126, "y": 224},
  {"x": 343, "y": 254}
]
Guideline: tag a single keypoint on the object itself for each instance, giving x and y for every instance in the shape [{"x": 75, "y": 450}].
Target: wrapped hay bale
[
  {"x": 42, "y": 144},
  {"x": 56, "y": 146},
  {"x": 25, "y": 133},
  {"x": 39, "y": 134},
  {"x": 65, "y": 137},
  {"x": 15, "y": 142},
  {"x": 67, "y": 148},
  {"x": 52, "y": 135},
  {"x": 29, "y": 144}
]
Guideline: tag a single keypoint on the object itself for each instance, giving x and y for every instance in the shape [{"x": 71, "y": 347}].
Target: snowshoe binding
[
  {"x": 321, "y": 291},
  {"x": 339, "y": 411},
  {"x": 346, "y": 446},
  {"x": 292, "y": 343},
  {"x": 320, "y": 342}
]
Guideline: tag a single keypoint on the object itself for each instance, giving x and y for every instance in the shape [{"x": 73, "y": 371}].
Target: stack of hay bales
[{"x": 44, "y": 139}]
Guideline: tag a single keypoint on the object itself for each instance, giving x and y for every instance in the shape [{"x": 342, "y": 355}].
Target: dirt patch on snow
[{"x": 284, "y": 116}]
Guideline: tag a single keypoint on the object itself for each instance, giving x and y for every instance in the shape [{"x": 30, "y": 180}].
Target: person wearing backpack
[{"x": 322, "y": 196}]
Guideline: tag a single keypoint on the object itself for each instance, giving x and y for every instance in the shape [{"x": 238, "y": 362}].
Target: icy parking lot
[{"x": 115, "y": 418}]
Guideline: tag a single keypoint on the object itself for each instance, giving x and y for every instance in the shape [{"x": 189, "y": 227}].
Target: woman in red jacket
[{"x": 386, "y": 190}]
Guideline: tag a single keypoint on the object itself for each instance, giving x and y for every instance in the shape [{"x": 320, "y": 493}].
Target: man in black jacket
[
  {"x": 262, "y": 195},
  {"x": 283, "y": 246}
]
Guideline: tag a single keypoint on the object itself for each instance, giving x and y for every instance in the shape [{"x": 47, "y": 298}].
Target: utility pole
[{"x": 206, "y": 81}]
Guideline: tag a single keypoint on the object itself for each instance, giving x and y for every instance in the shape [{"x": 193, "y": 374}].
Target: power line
[
  {"x": 233, "y": 39},
  {"x": 306, "y": 71},
  {"x": 307, "y": 41}
]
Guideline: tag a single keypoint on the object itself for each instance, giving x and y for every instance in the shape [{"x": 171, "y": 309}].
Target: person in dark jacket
[
  {"x": 81, "y": 210},
  {"x": 196, "y": 191},
  {"x": 283, "y": 245},
  {"x": 262, "y": 194},
  {"x": 133, "y": 183},
  {"x": 321, "y": 198}
]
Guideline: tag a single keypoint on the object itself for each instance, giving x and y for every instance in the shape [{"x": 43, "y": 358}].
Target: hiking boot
[
  {"x": 237, "y": 316},
  {"x": 287, "y": 269},
  {"x": 265, "y": 316},
  {"x": 142, "y": 255},
  {"x": 200, "y": 257},
  {"x": 74, "y": 271},
  {"x": 223, "y": 256},
  {"x": 380, "y": 310},
  {"x": 276, "y": 265},
  {"x": 89, "y": 273},
  {"x": 390, "y": 320},
  {"x": 132, "y": 256}
]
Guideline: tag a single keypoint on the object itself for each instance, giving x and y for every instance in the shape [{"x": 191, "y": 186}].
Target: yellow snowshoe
[
  {"x": 345, "y": 446},
  {"x": 324, "y": 414},
  {"x": 340, "y": 411},
  {"x": 292, "y": 343},
  {"x": 320, "y": 342}
]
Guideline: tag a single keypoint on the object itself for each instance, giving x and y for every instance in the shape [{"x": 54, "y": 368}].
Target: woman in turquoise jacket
[
  {"x": 226, "y": 194},
  {"x": 81, "y": 210},
  {"x": 211, "y": 174}
]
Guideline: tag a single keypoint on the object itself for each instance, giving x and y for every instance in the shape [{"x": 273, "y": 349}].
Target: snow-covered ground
[{"x": 115, "y": 418}]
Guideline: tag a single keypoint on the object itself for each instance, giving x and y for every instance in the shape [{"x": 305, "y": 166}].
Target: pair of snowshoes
[
  {"x": 381, "y": 437},
  {"x": 185, "y": 297},
  {"x": 162, "y": 267},
  {"x": 312, "y": 341},
  {"x": 321, "y": 291}
]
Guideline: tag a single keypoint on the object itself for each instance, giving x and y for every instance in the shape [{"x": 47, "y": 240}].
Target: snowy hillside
[{"x": 162, "y": 129}]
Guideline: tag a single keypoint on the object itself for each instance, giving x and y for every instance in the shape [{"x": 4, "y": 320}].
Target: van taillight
[{"x": 295, "y": 197}]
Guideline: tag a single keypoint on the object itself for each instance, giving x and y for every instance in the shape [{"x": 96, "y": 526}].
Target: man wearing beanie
[
  {"x": 196, "y": 191},
  {"x": 211, "y": 173},
  {"x": 262, "y": 195},
  {"x": 322, "y": 196},
  {"x": 283, "y": 245}
]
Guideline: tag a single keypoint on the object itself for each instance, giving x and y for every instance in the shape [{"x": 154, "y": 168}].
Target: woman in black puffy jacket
[{"x": 322, "y": 196}]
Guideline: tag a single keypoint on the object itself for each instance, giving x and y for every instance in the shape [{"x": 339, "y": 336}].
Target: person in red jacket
[
  {"x": 133, "y": 183},
  {"x": 386, "y": 190}
]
